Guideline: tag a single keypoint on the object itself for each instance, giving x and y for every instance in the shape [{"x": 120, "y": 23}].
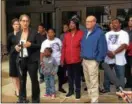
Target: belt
[
  {"x": 23, "y": 57},
  {"x": 87, "y": 58}
]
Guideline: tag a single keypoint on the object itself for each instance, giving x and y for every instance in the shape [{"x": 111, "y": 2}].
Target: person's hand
[
  {"x": 128, "y": 93},
  {"x": 17, "y": 48},
  {"x": 111, "y": 54},
  {"x": 42, "y": 65},
  {"x": 62, "y": 64},
  {"x": 27, "y": 44},
  {"x": 53, "y": 73}
]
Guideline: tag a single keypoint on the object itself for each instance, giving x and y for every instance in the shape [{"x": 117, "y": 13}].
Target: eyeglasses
[
  {"x": 130, "y": 20},
  {"x": 89, "y": 21},
  {"x": 25, "y": 20}
]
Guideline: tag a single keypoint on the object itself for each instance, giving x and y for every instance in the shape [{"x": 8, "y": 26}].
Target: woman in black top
[
  {"x": 26, "y": 46},
  {"x": 13, "y": 72}
]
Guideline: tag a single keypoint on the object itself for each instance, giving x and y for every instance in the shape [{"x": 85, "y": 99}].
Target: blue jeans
[
  {"x": 50, "y": 84},
  {"x": 120, "y": 73}
]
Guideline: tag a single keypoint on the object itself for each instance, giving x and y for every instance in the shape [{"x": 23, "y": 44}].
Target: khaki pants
[{"x": 90, "y": 69}]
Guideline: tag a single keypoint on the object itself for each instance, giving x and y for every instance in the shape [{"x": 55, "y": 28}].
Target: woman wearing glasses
[{"x": 26, "y": 38}]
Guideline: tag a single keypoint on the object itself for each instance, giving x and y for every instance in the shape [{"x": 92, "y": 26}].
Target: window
[
  {"x": 98, "y": 12},
  {"x": 67, "y": 15},
  {"x": 47, "y": 19},
  {"x": 123, "y": 15}
]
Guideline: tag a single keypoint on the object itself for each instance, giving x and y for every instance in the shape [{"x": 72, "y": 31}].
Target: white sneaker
[{"x": 94, "y": 100}]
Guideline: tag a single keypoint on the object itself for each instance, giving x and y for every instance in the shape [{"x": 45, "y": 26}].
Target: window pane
[
  {"x": 123, "y": 15},
  {"x": 66, "y": 16},
  {"x": 98, "y": 12}
]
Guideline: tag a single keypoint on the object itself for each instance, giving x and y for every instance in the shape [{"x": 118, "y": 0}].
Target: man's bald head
[
  {"x": 90, "y": 22},
  {"x": 91, "y": 18}
]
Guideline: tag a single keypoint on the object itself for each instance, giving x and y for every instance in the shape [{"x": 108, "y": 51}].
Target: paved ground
[{"x": 8, "y": 91}]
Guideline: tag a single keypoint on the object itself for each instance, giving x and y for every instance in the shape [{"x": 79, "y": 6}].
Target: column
[
  {"x": 83, "y": 10},
  {"x": 113, "y": 11},
  {"x": 58, "y": 22},
  {"x": 53, "y": 16},
  {"x": 3, "y": 22}
]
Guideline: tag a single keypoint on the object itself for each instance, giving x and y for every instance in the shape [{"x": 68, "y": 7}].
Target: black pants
[
  {"x": 128, "y": 72},
  {"x": 74, "y": 76},
  {"x": 82, "y": 74},
  {"x": 32, "y": 69},
  {"x": 61, "y": 76}
]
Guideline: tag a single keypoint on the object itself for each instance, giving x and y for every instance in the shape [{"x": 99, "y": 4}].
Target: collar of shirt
[{"x": 89, "y": 32}]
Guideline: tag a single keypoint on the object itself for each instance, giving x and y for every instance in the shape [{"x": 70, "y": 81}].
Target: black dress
[{"x": 13, "y": 72}]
